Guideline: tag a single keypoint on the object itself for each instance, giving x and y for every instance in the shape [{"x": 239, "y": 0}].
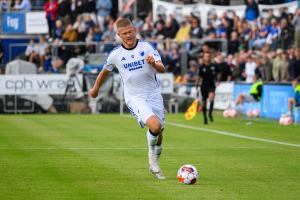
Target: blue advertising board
[
  {"x": 13, "y": 23},
  {"x": 274, "y": 100}
]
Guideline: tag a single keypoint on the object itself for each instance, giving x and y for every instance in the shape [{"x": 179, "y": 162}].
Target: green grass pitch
[{"x": 105, "y": 157}]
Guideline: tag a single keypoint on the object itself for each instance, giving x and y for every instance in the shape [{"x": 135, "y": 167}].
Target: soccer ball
[
  {"x": 187, "y": 174},
  {"x": 232, "y": 113},
  {"x": 255, "y": 113},
  {"x": 249, "y": 113},
  {"x": 226, "y": 113},
  {"x": 286, "y": 121}
]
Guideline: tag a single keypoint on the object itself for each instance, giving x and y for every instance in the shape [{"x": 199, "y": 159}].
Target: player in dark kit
[{"x": 207, "y": 75}]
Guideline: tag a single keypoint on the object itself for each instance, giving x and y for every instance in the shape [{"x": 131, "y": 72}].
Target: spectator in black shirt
[
  {"x": 233, "y": 44},
  {"x": 207, "y": 75},
  {"x": 224, "y": 72}
]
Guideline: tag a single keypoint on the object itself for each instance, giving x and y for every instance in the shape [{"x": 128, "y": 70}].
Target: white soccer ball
[
  {"x": 286, "y": 121},
  {"x": 249, "y": 113},
  {"x": 226, "y": 113},
  {"x": 255, "y": 113},
  {"x": 232, "y": 113},
  {"x": 187, "y": 174}
]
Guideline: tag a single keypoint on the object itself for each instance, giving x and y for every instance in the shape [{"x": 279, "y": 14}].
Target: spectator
[
  {"x": 183, "y": 33},
  {"x": 284, "y": 68},
  {"x": 294, "y": 69},
  {"x": 266, "y": 64},
  {"x": 273, "y": 34},
  {"x": 41, "y": 51},
  {"x": 259, "y": 70},
  {"x": 80, "y": 28},
  {"x": 51, "y": 15},
  {"x": 31, "y": 51},
  {"x": 286, "y": 34},
  {"x": 97, "y": 34},
  {"x": 108, "y": 36},
  {"x": 171, "y": 27},
  {"x": 196, "y": 30},
  {"x": 3, "y": 6},
  {"x": 103, "y": 10},
  {"x": 63, "y": 8},
  {"x": 223, "y": 69},
  {"x": 191, "y": 76},
  {"x": 25, "y": 5},
  {"x": 296, "y": 23},
  {"x": 59, "y": 30},
  {"x": 70, "y": 34},
  {"x": 276, "y": 65},
  {"x": 252, "y": 11},
  {"x": 261, "y": 36},
  {"x": 233, "y": 44},
  {"x": 250, "y": 67}
]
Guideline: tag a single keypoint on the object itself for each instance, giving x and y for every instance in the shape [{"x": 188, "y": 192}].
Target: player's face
[{"x": 128, "y": 36}]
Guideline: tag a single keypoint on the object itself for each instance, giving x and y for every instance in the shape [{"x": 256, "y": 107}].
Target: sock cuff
[{"x": 153, "y": 134}]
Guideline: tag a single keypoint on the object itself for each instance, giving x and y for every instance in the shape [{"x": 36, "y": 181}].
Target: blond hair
[{"x": 123, "y": 22}]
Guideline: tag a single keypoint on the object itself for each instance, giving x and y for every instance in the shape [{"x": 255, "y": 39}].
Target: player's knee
[{"x": 155, "y": 127}]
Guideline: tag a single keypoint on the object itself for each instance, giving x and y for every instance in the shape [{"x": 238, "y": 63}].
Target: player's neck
[{"x": 130, "y": 47}]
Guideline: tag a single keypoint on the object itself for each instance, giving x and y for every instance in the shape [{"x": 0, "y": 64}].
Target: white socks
[
  {"x": 152, "y": 140},
  {"x": 158, "y": 150},
  {"x": 154, "y": 150}
]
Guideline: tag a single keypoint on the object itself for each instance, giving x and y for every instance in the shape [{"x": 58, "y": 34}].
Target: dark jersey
[{"x": 208, "y": 74}]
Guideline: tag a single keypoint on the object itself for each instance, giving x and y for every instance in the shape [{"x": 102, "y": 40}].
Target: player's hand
[
  {"x": 150, "y": 60},
  {"x": 93, "y": 93}
]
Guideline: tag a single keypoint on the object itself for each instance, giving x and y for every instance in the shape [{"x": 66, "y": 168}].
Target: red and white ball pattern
[
  {"x": 230, "y": 113},
  {"x": 286, "y": 120},
  {"x": 187, "y": 174}
]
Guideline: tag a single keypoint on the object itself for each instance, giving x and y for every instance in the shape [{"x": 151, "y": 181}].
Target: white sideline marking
[{"x": 233, "y": 134}]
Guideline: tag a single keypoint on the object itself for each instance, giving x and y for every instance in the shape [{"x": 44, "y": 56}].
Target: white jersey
[{"x": 138, "y": 77}]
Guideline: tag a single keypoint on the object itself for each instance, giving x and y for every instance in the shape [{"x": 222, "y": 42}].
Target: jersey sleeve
[
  {"x": 109, "y": 65},
  {"x": 152, "y": 51}
]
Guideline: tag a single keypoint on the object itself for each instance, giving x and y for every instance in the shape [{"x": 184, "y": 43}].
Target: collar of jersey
[{"x": 137, "y": 41}]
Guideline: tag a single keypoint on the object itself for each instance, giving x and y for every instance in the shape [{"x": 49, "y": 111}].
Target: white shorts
[
  {"x": 249, "y": 98},
  {"x": 143, "y": 108}
]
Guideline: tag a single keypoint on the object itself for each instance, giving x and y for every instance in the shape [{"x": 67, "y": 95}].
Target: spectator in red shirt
[{"x": 51, "y": 14}]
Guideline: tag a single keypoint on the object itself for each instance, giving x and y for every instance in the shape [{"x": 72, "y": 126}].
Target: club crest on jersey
[
  {"x": 142, "y": 53},
  {"x": 132, "y": 56},
  {"x": 123, "y": 59}
]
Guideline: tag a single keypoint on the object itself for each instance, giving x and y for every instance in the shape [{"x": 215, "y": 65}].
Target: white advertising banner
[
  {"x": 201, "y": 10},
  {"x": 224, "y": 95},
  {"x": 36, "y": 23},
  {"x": 166, "y": 83},
  {"x": 40, "y": 84}
]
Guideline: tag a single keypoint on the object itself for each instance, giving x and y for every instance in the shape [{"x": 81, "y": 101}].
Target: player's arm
[
  {"x": 197, "y": 84},
  {"x": 158, "y": 65},
  {"x": 98, "y": 83}
]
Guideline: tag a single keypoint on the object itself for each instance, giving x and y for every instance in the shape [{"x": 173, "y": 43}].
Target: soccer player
[
  {"x": 296, "y": 99},
  {"x": 207, "y": 73},
  {"x": 138, "y": 62},
  {"x": 255, "y": 93}
]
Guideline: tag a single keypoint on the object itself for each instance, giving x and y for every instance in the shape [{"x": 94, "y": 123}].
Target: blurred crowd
[{"x": 262, "y": 43}]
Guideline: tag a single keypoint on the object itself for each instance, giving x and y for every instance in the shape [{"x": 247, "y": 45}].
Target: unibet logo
[{"x": 13, "y": 22}]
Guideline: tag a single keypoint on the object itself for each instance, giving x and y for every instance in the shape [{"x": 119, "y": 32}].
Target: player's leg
[
  {"x": 239, "y": 100},
  {"x": 291, "y": 102},
  {"x": 211, "y": 98},
  {"x": 204, "y": 93},
  {"x": 156, "y": 104},
  {"x": 154, "y": 138}
]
